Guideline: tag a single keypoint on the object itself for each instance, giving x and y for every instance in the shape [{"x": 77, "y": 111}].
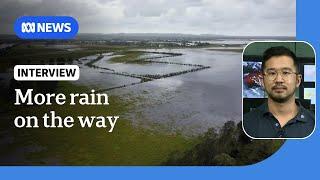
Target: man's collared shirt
[{"x": 260, "y": 123}]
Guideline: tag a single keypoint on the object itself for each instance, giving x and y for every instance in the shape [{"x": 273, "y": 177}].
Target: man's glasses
[{"x": 284, "y": 73}]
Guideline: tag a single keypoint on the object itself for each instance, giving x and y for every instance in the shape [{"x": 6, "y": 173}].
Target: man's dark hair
[{"x": 278, "y": 51}]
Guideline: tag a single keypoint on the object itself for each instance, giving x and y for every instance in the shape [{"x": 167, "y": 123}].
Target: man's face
[{"x": 280, "y": 79}]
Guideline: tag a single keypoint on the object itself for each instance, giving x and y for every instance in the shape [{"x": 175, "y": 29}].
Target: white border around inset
[{"x": 315, "y": 62}]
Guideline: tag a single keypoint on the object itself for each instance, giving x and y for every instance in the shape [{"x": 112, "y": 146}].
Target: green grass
[
  {"x": 128, "y": 57},
  {"x": 39, "y": 54},
  {"x": 126, "y": 145}
]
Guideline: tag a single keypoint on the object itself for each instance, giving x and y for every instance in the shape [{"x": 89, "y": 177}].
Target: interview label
[
  {"x": 46, "y": 72},
  {"x": 46, "y": 27}
]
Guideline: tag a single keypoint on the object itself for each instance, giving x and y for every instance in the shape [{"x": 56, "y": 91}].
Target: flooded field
[{"x": 187, "y": 103}]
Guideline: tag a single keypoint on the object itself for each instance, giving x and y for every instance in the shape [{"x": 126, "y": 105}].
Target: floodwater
[{"x": 189, "y": 103}]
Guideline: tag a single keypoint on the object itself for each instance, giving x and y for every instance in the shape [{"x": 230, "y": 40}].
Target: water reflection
[{"x": 192, "y": 102}]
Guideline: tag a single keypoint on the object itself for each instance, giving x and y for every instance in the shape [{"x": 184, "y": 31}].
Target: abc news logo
[
  {"x": 46, "y": 27},
  {"x": 31, "y": 27}
]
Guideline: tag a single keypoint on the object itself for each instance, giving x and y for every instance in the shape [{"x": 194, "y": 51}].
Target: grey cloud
[{"x": 234, "y": 17}]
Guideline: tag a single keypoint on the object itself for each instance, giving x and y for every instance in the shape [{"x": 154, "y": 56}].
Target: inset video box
[{"x": 46, "y": 72}]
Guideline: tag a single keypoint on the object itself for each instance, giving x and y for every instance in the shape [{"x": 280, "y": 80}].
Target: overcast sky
[{"x": 224, "y": 17}]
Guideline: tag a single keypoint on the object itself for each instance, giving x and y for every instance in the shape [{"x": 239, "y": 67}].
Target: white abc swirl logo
[{"x": 28, "y": 27}]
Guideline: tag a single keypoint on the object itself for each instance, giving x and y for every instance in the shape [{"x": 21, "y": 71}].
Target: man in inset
[{"x": 281, "y": 116}]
